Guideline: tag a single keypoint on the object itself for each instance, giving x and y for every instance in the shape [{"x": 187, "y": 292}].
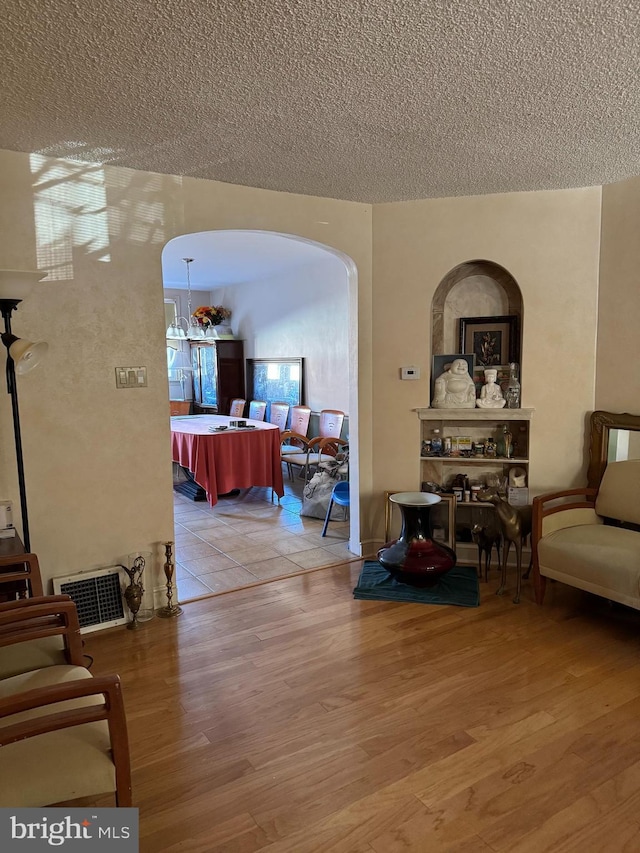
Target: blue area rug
[{"x": 458, "y": 586}]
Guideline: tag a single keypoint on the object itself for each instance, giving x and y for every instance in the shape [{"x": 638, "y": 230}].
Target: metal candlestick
[{"x": 171, "y": 609}]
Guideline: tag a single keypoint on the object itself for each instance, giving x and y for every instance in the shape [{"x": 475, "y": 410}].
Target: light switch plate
[{"x": 131, "y": 377}]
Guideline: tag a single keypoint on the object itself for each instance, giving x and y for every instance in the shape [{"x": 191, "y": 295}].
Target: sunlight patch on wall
[
  {"x": 70, "y": 209},
  {"x": 136, "y": 205}
]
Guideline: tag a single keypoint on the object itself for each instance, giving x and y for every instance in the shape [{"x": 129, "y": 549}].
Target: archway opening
[{"x": 289, "y": 297}]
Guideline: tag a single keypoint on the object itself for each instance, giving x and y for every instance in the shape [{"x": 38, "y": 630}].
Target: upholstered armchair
[{"x": 590, "y": 538}]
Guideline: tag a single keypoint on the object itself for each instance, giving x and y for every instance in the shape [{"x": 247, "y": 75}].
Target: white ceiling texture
[
  {"x": 365, "y": 100},
  {"x": 369, "y": 100}
]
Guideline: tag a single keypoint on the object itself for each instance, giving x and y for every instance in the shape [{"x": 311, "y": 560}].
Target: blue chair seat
[{"x": 340, "y": 496}]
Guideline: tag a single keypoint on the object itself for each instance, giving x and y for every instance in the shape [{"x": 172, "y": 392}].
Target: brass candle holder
[{"x": 170, "y": 609}]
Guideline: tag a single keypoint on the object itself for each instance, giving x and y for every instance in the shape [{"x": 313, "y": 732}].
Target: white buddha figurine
[
  {"x": 454, "y": 388},
  {"x": 490, "y": 393}
]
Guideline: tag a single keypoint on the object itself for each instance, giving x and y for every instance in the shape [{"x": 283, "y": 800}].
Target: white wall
[{"x": 301, "y": 313}]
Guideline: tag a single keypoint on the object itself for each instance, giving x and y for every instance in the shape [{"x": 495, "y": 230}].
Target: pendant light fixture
[{"x": 195, "y": 332}]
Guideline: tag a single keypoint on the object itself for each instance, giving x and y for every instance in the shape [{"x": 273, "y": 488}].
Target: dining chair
[
  {"x": 278, "y": 415},
  {"x": 237, "y": 408},
  {"x": 308, "y": 456},
  {"x": 319, "y": 449},
  {"x": 293, "y": 450},
  {"x": 340, "y": 496},
  {"x": 257, "y": 410},
  {"x": 299, "y": 425}
]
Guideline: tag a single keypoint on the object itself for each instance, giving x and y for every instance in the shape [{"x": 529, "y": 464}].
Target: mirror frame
[{"x": 601, "y": 423}]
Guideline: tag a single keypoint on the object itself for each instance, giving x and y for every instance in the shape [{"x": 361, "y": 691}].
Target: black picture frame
[
  {"x": 440, "y": 363},
  {"x": 494, "y": 341},
  {"x": 276, "y": 380}
]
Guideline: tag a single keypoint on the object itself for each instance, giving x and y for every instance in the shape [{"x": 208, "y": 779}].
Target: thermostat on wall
[{"x": 410, "y": 372}]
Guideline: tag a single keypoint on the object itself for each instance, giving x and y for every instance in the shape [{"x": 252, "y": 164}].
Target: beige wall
[
  {"x": 97, "y": 459},
  {"x": 549, "y": 242},
  {"x": 617, "y": 375}
]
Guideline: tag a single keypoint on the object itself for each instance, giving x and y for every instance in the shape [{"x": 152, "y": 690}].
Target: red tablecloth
[{"x": 233, "y": 459}]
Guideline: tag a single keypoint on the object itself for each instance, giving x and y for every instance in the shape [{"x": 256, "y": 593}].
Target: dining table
[{"x": 222, "y": 456}]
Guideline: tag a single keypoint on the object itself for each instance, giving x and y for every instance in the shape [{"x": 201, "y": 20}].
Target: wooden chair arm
[
  {"x": 21, "y": 603},
  {"x": 45, "y": 616},
  {"x": 294, "y": 437},
  {"x": 110, "y": 710},
  {"x": 566, "y": 493},
  {"x": 541, "y": 509}
]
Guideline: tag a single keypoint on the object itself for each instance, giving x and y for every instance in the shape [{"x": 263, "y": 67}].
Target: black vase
[{"x": 415, "y": 558}]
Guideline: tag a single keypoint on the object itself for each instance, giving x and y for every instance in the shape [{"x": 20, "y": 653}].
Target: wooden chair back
[
  {"x": 330, "y": 425},
  {"x": 300, "y": 419},
  {"x": 278, "y": 415},
  {"x": 257, "y": 410}
]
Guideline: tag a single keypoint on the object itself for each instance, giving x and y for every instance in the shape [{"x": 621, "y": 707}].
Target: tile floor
[{"x": 246, "y": 539}]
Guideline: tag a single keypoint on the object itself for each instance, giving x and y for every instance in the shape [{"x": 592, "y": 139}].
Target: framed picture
[
  {"x": 443, "y": 519},
  {"x": 440, "y": 363},
  {"x": 276, "y": 380},
  {"x": 493, "y": 341}
]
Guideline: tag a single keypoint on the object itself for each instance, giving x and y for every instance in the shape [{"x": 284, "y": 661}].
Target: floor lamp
[{"x": 22, "y": 356}]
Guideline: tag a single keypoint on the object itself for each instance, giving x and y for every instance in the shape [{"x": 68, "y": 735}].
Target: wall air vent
[{"x": 98, "y": 597}]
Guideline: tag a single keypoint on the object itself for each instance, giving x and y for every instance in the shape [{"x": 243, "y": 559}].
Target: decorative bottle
[
  {"x": 507, "y": 437},
  {"x": 512, "y": 390}
]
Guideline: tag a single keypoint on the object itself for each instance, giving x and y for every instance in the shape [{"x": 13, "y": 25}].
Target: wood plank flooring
[{"x": 290, "y": 718}]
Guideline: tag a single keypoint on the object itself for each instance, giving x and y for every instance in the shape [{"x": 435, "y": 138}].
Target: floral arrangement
[{"x": 211, "y": 314}]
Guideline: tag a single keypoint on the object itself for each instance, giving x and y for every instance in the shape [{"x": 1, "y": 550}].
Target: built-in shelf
[
  {"x": 495, "y": 415},
  {"x": 481, "y": 460}
]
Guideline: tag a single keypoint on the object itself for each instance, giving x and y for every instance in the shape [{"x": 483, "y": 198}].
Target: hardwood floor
[{"x": 290, "y": 717}]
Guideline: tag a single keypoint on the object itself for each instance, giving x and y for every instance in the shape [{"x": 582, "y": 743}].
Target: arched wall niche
[{"x": 478, "y": 288}]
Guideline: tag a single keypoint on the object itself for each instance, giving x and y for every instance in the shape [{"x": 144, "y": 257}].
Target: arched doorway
[{"x": 289, "y": 296}]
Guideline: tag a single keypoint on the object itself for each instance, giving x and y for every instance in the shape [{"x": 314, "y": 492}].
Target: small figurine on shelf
[
  {"x": 490, "y": 393},
  {"x": 454, "y": 389}
]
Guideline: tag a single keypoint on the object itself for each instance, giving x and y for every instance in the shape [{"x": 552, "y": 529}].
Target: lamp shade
[
  {"x": 27, "y": 354},
  {"x": 18, "y": 284}
]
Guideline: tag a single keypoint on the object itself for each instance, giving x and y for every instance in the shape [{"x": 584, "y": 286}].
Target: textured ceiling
[{"x": 370, "y": 100}]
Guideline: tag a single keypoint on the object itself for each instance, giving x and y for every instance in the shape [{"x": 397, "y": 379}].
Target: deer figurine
[
  {"x": 515, "y": 526},
  {"x": 486, "y": 538}
]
